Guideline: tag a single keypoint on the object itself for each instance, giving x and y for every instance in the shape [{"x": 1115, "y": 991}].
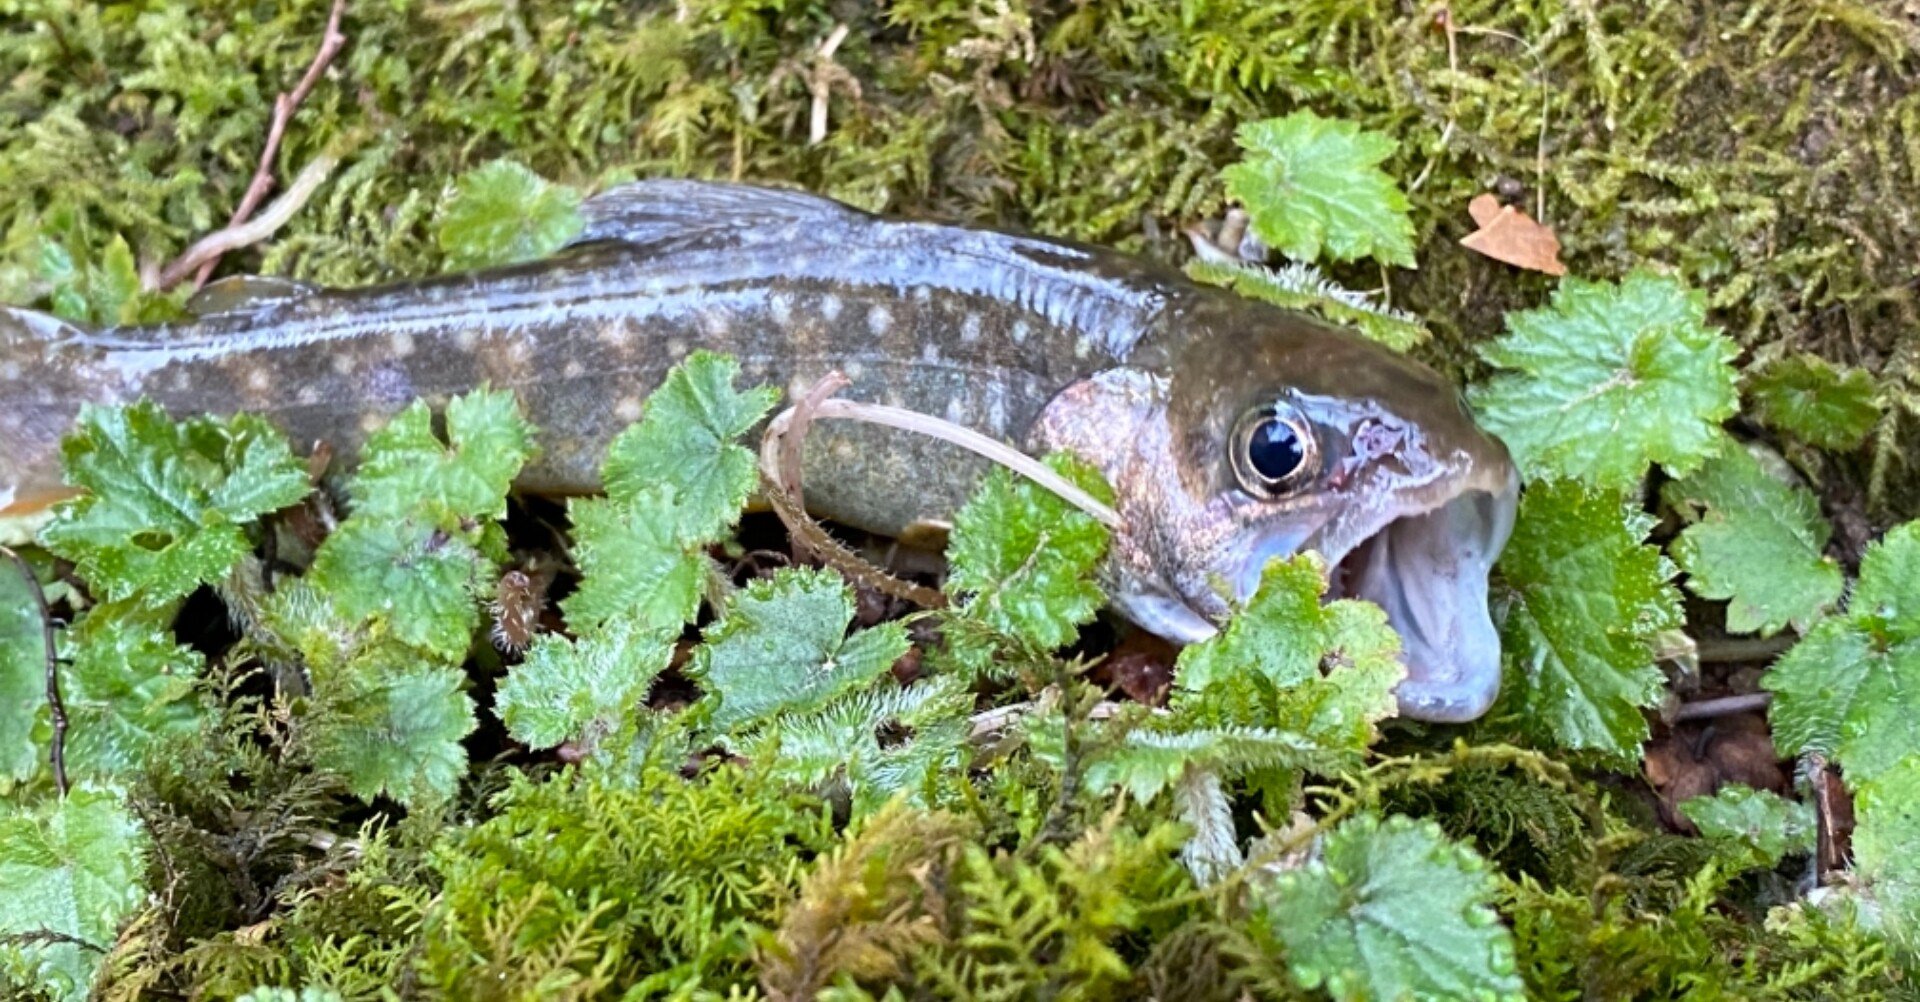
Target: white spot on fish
[
  {"x": 676, "y": 348},
  {"x": 342, "y": 363},
  {"x": 628, "y": 409},
  {"x": 930, "y": 352},
  {"x": 957, "y": 409},
  {"x": 401, "y": 345},
  {"x": 714, "y": 324},
  {"x": 796, "y": 387},
  {"x": 467, "y": 339},
  {"x": 613, "y": 335},
  {"x": 259, "y": 381},
  {"x": 893, "y": 398},
  {"x": 1020, "y": 332},
  {"x": 879, "y": 321},
  {"x": 830, "y": 307},
  {"x": 922, "y": 294},
  {"x": 10, "y": 371},
  {"x": 781, "y": 307},
  {"x": 970, "y": 328},
  {"x": 1082, "y": 347},
  {"x": 308, "y": 395},
  {"x": 371, "y": 422},
  {"x": 573, "y": 370}
]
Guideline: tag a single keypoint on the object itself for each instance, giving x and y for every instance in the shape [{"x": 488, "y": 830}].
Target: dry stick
[
  {"x": 283, "y": 108},
  {"x": 206, "y": 252},
  {"x": 1725, "y": 706},
  {"x": 58, "y": 755}
]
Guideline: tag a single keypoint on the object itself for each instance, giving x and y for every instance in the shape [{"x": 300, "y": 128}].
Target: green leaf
[
  {"x": 308, "y": 994},
  {"x": 1883, "y": 843},
  {"x": 167, "y": 503},
  {"x": 636, "y": 563},
  {"x": 1851, "y": 688},
  {"x": 406, "y": 580},
  {"x": 23, "y": 674},
  {"x": 1286, "y": 661},
  {"x": 1024, "y": 558},
  {"x": 73, "y": 867},
  {"x": 128, "y": 689},
  {"x": 501, "y": 212},
  {"x": 1756, "y": 542},
  {"x": 1302, "y": 287},
  {"x": 1391, "y": 910},
  {"x": 406, "y": 469},
  {"x": 783, "y": 647},
  {"x": 1583, "y": 603},
  {"x": 879, "y": 742},
  {"x": 1312, "y": 184},
  {"x": 580, "y": 690},
  {"x": 1147, "y": 762},
  {"x": 1767, "y": 825},
  {"x": 1610, "y": 378},
  {"x": 1810, "y": 399},
  {"x": 688, "y": 439},
  {"x": 396, "y": 731}
]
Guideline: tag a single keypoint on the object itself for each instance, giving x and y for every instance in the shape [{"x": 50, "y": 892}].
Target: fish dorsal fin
[
  {"x": 666, "y": 213},
  {"x": 246, "y": 293}
]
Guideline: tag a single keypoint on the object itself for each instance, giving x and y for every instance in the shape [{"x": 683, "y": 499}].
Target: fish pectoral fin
[
  {"x": 664, "y": 213},
  {"x": 28, "y": 327},
  {"x": 246, "y": 293}
]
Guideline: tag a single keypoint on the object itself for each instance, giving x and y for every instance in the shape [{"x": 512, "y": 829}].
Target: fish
[{"x": 1233, "y": 432}]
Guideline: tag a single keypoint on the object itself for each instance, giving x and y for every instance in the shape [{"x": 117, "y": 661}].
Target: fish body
[{"x": 1232, "y": 431}]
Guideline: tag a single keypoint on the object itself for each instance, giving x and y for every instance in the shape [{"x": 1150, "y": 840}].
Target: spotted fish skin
[{"x": 1046, "y": 344}]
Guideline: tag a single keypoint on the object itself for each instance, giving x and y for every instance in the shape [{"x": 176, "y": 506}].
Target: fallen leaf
[{"x": 1509, "y": 235}]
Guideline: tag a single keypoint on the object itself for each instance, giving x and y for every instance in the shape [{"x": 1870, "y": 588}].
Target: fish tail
[{"x": 48, "y": 369}]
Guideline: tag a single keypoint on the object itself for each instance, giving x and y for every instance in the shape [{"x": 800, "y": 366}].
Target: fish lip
[{"x": 1425, "y": 559}]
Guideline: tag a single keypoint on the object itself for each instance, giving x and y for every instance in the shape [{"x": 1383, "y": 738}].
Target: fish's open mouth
[{"x": 1428, "y": 571}]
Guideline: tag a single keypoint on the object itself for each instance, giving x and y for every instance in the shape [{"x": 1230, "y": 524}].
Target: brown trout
[{"x": 1232, "y": 431}]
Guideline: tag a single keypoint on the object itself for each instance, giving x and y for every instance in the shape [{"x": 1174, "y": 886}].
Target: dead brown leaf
[{"x": 1506, "y": 234}]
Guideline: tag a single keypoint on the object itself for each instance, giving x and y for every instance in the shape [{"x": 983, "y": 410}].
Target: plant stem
[{"x": 57, "y": 757}]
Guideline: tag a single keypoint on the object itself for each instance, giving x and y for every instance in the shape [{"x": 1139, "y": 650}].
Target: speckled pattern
[{"x": 1045, "y": 344}]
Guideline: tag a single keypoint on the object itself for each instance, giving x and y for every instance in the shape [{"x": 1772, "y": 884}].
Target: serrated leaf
[
  {"x": 128, "y": 688},
  {"x": 23, "y": 674},
  {"x": 404, "y": 579},
  {"x": 308, "y": 994},
  {"x": 167, "y": 503},
  {"x": 879, "y": 742},
  {"x": 1766, "y": 824},
  {"x": 1851, "y": 688},
  {"x": 1810, "y": 399},
  {"x": 580, "y": 690},
  {"x": 396, "y": 731},
  {"x": 1755, "y": 542},
  {"x": 1286, "y": 661},
  {"x": 1610, "y": 378},
  {"x": 1584, "y": 599},
  {"x": 1301, "y": 286},
  {"x": 406, "y": 469},
  {"x": 1883, "y": 843},
  {"x": 782, "y": 647},
  {"x": 501, "y": 212},
  {"x": 73, "y": 867},
  {"x": 1391, "y": 910},
  {"x": 688, "y": 438},
  {"x": 636, "y": 564},
  {"x": 1149, "y": 761},
  {"x": 1313, "y": 185},
  {"x": 1024, "y": 558}
]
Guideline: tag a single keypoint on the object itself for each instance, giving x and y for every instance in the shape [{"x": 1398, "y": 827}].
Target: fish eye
[{"x": 1274, "y": 450}]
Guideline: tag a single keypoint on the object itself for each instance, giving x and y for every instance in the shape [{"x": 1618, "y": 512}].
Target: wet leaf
[
  {"x": 72, "y": 866},
  {"x": 406, "y": 469},
  {"x": 580, "y": 690},
  {"x": 502, "y": 212},
  {"x": 1767, "y": 825},
  {"x": 1814, "y": 401},
  {"x": 1314, "y": 186}
]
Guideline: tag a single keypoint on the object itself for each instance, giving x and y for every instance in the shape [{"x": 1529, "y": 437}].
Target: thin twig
[
  {"x": 1725, "y": 706},
  {"x": 58, "y": 756},
  {"x": 1733, "y": 650},
  {"x": 331, "y": 40},
  {"x": 791, "y": 451},
  {"x": 207, "y": 250}
]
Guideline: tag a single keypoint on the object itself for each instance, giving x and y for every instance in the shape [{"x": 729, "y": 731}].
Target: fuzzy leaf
[
  {"x": 688, "y": 438},
  {"x": 636, "y": 562},
  {"x": 167, "y": 503},
  {"x": 1810, "y": 399},
  {"x": 128, "y": 688},
  {"x": 858, "y": 740},
  {"x": 406, "y": 469},
  {"x": 1324, "y": 672},
  {"x": 74, "y": 867},
  {"x": 501, "y": 212},
  {"x": 1851, "y": 688},
  {"x": 1610, "y": 378},
  {"x": 1302, "y": 287},
  {"x": 580, "y": 690},
  {"x": 1883, "y": 847},
  {"x": 1585, "y": 599},
  {"x": 396, "y": 731},
  {"x": 782, "y": 647},
  {"x": 308, "y": 994},
  {"x": 408, "y": 580},
  {"x": 1313, "y": 185},
  {"x": 1147, "y": 762},
  {"x": 1392, "y": 910},
  {"x": 1756, "y": 542},
  {"x": 1766, "y": 824},
  {"x": 1025, "y": 558},
  {"x": 23, "y": 675}
]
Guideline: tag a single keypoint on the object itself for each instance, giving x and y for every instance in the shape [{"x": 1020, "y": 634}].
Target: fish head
[{"x": 1259, "y": 434}]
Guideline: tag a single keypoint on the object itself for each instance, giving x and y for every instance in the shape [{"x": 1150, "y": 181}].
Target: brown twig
[
  {"x": 206, "y": 251},
  {"x": 331, "y": 41},
  {"x": 1725, "y": 706},
  {"x": 57, "y": 757}
]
